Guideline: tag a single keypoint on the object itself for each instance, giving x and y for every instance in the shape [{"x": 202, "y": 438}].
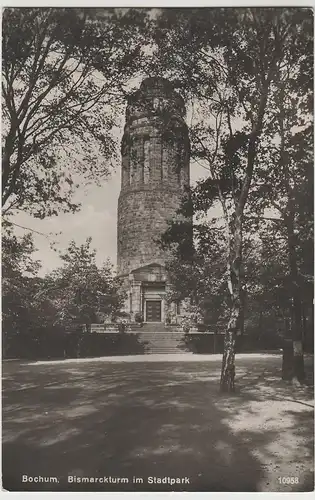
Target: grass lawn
[{"x": 145, "y": 417}]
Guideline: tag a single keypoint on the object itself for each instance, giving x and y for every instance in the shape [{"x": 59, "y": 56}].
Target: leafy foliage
[
  {"x": 80, "y": 291},
  {"x": 77, "y": 293},
  {"x": 19, "y": 285},
  {"x": 64, "y": 76},
  {"x": 239, "y": 68},
  {"x": 202, "y": 277}
]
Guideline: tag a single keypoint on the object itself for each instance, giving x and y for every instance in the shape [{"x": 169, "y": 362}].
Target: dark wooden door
[{"x": 153, "y": 310}]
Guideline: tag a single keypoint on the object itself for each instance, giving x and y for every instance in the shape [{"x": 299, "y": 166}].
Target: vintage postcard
[{"x": 157, "y": 249}]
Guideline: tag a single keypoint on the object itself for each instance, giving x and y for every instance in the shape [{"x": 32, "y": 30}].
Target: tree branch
[{"x": 26, "y": 228}]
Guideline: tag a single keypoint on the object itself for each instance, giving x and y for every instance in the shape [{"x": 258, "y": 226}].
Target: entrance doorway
[{"x": 153, "y": 311}]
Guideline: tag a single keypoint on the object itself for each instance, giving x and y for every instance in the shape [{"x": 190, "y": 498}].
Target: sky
[{"x": 97, "y": 218}]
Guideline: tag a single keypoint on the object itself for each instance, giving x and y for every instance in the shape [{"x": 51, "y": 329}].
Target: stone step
[
  {"x": 160, "y": 327},
  {"x": 166, "y": 348},
  {"x": 159, "y": 340},
  {"x": 171, "y": 345},
  {"x": 159, "y": 335},
  {"x": 162, "y": 341},
  {"x": 168, "y": 343},
  {"x": 163, "y": 353},
  {"x": 177, "y": 351},
  {"x": 156, "y": 349}
]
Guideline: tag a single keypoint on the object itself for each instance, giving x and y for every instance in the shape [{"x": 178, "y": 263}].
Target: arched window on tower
[{"x": 146, "y": 161}]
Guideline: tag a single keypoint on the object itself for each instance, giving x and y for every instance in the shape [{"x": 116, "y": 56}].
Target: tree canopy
[
  {"x": 237, "y": 67},
  {"x": 64, "y": 77},
  {"x": 81, "y": 291}
]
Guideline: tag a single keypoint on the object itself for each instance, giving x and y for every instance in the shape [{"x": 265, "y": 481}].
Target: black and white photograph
[{"x": 157, "y": 249}]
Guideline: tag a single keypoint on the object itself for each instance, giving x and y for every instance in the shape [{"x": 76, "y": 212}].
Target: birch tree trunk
[
  {"x": 234, "y": 284},
  {"x": 235, "y": 241}
]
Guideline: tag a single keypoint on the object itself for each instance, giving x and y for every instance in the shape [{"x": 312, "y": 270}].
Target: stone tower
[{"x": 154, "y": 178}]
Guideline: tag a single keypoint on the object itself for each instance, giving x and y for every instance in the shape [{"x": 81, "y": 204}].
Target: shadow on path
[{"x": 140, "y": 420}]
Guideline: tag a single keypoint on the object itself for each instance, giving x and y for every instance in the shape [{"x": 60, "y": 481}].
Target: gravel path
[{"x": 156, "y": 416}]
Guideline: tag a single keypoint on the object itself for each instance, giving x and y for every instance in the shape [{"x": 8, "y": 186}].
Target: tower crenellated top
[
  {"x": 155, "y": 97},
  {"x": 155, "y": 144}
]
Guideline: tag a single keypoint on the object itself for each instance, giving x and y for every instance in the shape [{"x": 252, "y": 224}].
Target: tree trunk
[
  {"x": 242, "y": 309},
  {"x": 287, "y": 360},
  {"x": 228, "y": 361},
  {"x": 297, "y": 371},
  {"x": 234, "y": 284},
  {"x": 293, "y": 359},
  {"x": 260, "y": 322},
  {"x": 304, "y": 322},
  {"x": 236, "y": 244},
  {"x": 298, "y": 361}
]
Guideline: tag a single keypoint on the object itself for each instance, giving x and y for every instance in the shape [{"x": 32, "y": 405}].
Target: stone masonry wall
[
  {"x": 155, "y": 172},
  {"x": 142, "y": 218}
]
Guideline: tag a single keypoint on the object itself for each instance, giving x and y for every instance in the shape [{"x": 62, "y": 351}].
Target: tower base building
[{"x": 154, "y": 183}]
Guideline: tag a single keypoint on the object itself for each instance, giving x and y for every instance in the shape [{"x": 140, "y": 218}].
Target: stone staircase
[{"x": 160, "y": 339}]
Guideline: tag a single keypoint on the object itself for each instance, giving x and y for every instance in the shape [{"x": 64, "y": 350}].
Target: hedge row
[
  {"x": 73, "y": 345},
  {"x": 56, "y": 344}
]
